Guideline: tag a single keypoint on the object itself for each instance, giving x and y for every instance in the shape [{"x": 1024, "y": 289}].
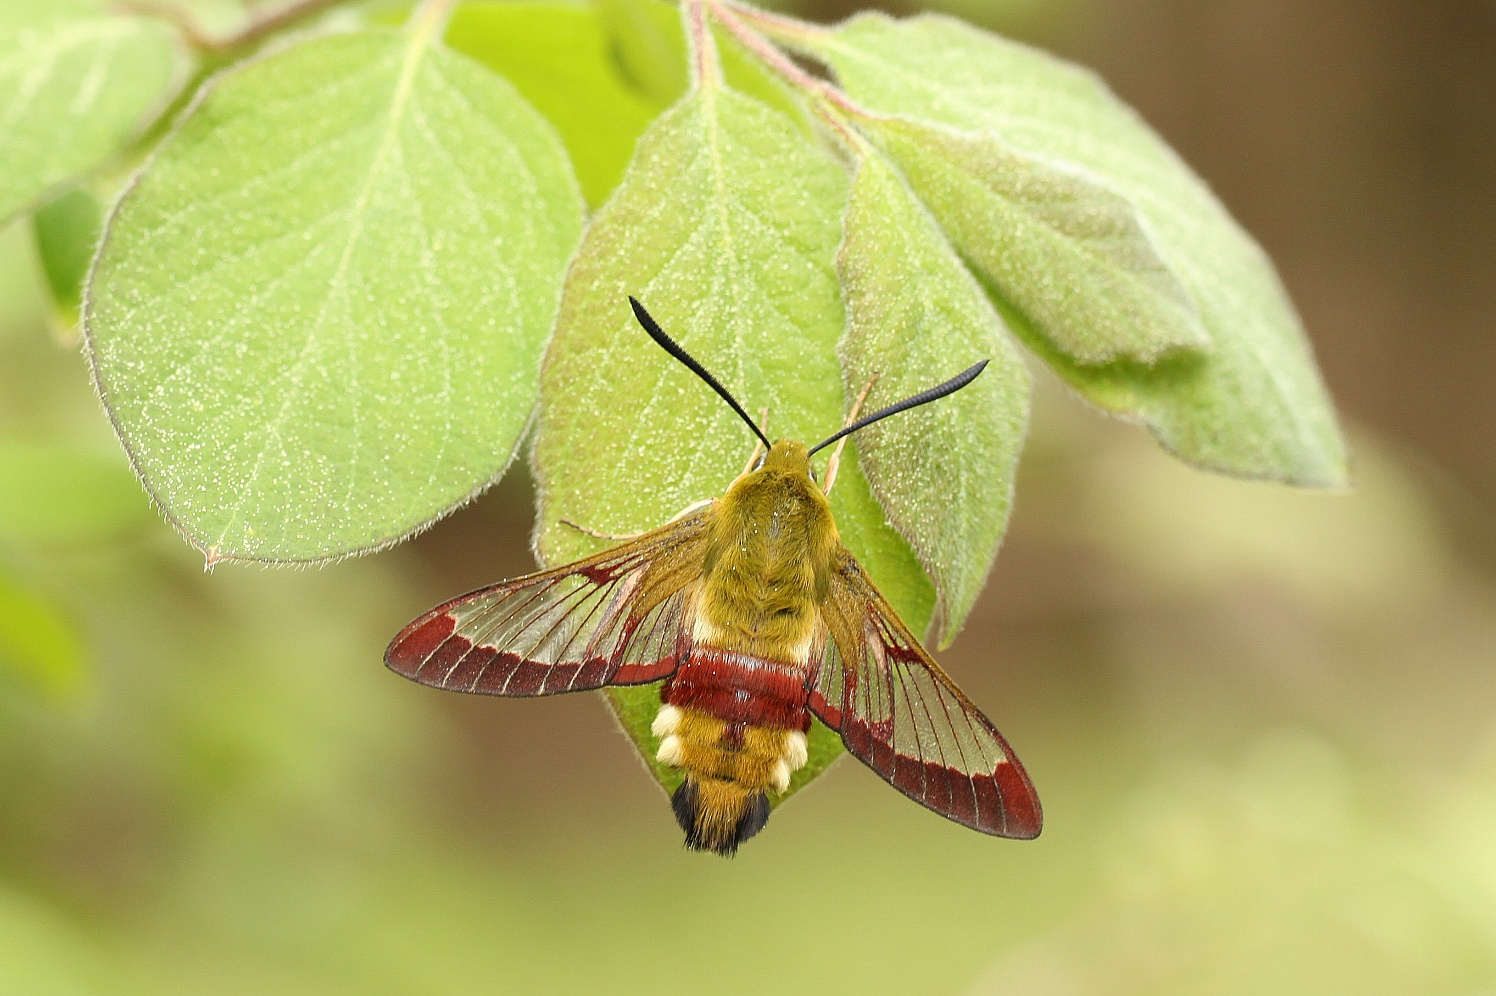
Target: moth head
[{"x": 788, "y": 456}]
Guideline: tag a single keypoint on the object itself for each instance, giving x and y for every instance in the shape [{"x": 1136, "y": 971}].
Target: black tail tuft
[
  {"x": 683, "y": 803},
  {"x": 754, "y": 818},
  {"x": 715, "y": 823}
]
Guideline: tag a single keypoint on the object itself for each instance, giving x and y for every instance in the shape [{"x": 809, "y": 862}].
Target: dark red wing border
[{"x": 428, "y": 651}]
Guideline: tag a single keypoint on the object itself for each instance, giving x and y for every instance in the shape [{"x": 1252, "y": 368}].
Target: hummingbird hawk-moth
[{"x": 754, "y": 617}]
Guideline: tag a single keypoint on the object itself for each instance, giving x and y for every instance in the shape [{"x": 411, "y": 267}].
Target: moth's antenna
[
  {"x": 673, "y": 348},
  {"x": 923, "y": 398}
]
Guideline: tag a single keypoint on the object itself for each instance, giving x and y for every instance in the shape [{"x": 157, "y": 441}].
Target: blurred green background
[{"x": 1263, "y": 722}]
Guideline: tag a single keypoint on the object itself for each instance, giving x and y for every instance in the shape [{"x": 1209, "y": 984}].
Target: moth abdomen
[
  {"x": 735, "y": 724},
  {"x": 740, "y": 688}
]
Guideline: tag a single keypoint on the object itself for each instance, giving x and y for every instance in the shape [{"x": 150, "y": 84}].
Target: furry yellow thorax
[{"x": 768, "y": 564}]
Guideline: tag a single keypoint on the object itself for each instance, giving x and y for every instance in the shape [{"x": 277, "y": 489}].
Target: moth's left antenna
[{"x": 673, "y": 348}]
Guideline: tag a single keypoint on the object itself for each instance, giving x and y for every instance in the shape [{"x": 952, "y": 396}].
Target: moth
[{"x": 754, "y": 617}]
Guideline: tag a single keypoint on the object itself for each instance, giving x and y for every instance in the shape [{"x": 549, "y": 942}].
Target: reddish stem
[
  {"x": 257, "y": 27},
  {"x": 775, "y": 24},
  {"x": 706, "y": 69},
  {"x": 823, "y": 93}
]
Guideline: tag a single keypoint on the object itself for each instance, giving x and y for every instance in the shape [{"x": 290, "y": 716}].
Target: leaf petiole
[
  {"x": 706, "y": 63},
  {"x": 256, "y": 28},
  {"x": 429, "y": 17},
  {"x": 775, "y": 25},
  {"x": 830, "y": 104}
]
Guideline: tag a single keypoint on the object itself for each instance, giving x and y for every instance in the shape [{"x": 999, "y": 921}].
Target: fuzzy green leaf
[
  {"x": 76, "y": 83},
  {"x": 39, "y": 647},
  {"x": 317, "y": 316},
  {"x": 1066, "y": 253},
  {"x": 915, "y": 316},
  {"x": 726, "y": 227},
  {"x": 55, "y": 496},
  {"x": 1254, "y": 406},
  {"x": 557, "y": 56}
]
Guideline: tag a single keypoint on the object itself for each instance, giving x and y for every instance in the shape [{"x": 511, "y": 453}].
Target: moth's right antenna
[
  {"x": 923, "y": 398},
  {"x": 673, "y": 348}
]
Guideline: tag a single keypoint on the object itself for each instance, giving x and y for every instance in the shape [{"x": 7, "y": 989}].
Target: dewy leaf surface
[
  {"x": 1065, "y": 252},
  {"x": 318, "y": 315},
  {"x": 76, "y": 82},
  {"x": 915, "y": 317},
  {"x": 1254, "y": 405},
  {"x": 557, "y": 55},
  {"x": 726, "y": 226}
]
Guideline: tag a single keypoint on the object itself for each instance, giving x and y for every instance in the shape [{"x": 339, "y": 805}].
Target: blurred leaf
[
  {"x": 1024, "y": 18},
  {"x": 651, "y": 49},
  {"x": 648, "y": 46},
  {"x": 1279, "y": 877},
  {"x": 943, "y": 472},
  {"x": 317, "y": 317},
  {"x": 52, "y": 495},
  {"x": 76, "y": 83},
  {"x": 67, "y": 230},
  {"x": 43, "y": 953},
  {"x": 1381, "y": 546},
  {"x": 38, "y": 646},
  {"x": 557, "y": 57},
  {"x": 1253, "y": 407},
  {"x": 1067, "y": 253},
  {"x": 726, "y": 227}
]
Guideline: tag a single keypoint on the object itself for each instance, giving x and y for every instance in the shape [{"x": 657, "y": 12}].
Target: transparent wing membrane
[{"x": 900, "y": 714}]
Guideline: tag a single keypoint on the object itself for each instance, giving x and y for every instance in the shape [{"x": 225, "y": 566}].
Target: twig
[
  {"x": 827, "y": 101},
  {"x": 258, "y": 26},
  {"x": 776, "y": 25},
  {"x": 706, "y": 65}
]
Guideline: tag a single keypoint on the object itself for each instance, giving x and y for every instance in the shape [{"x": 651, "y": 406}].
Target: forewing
[
  {"x": 902, "y": 716},
  {"x": 621, "y": 617}
]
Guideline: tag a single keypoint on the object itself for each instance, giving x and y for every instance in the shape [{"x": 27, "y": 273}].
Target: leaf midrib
[{"x": 414, "y": 54}]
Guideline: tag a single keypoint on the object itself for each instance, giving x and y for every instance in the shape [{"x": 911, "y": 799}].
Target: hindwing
[{"x": 902, "y": 716}]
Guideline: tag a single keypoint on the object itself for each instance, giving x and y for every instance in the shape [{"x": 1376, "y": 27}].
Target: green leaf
[
  {"x": 650, "y": 46},
  {"x": 726, "y": 227},
  {"x": 557, "y": 56},
  {"x": 75, "y": 84},
  {"x": 1253, "y": 407},
  {"x": 67, "y": 231},
  {"x": 1066, "y": 253},
  {"x": 915, "y": 316},
  {"x": 39, "y": 647},
  {"x": 317, "y": 316},
  {"x": 58, "y": 496}
]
